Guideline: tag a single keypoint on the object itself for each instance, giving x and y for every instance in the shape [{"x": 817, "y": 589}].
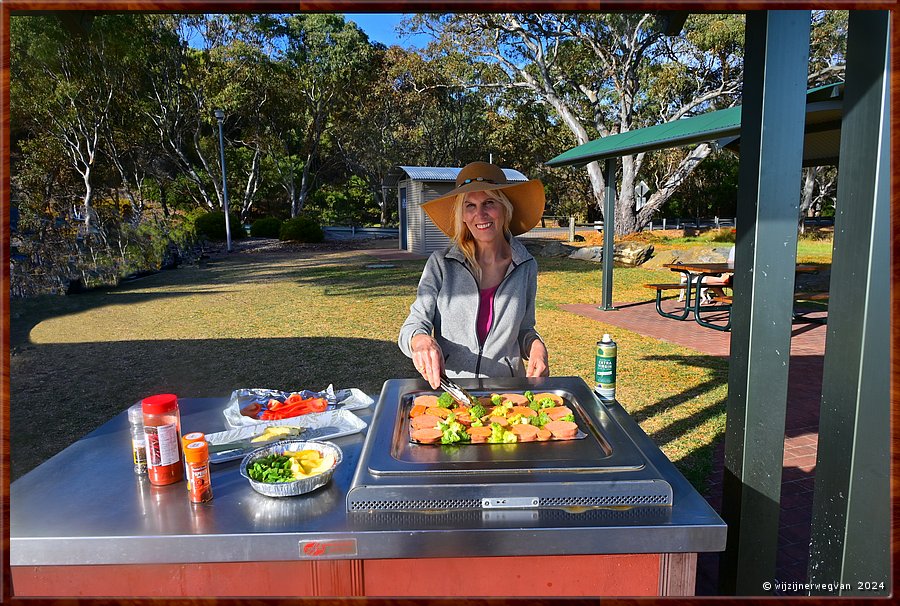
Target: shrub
[
  {"x": 267, "y": 227},
  {"x": 301, "y": 229},
  {"x": 722, "y": 235},
  {"x": 212, "y": 225}
]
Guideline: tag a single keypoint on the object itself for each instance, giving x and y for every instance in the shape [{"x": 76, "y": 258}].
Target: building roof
[
  {"x": 436, "y": 173},
  {"x": 821, "y": 143}
]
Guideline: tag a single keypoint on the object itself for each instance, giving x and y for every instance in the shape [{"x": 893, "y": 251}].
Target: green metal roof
[
  {"x": 721, "y": 124},
  {"x": 705, "y": 127}
]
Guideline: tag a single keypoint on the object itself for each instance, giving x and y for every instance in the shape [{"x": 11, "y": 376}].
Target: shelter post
[
  {"x": 851, "y": 523},
  {"x": 772, "y": 125},
  {"x": 609, "y": 228}
]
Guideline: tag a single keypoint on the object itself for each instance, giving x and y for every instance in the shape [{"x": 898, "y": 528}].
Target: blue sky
[{"x": 380, "y": 27}]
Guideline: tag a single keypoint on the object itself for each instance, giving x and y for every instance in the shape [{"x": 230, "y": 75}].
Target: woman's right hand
[{"x": 428, "y": 358}]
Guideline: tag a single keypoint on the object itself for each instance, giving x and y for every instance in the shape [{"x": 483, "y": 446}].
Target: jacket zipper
[{"x": 491, "y": 329}]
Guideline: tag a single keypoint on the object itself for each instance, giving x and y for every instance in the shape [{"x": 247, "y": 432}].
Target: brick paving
[{"x": 801, "y": 425}]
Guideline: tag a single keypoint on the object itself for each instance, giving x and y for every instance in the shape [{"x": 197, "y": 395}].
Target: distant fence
[
  {"x": 550, "y": 226},
  {"x": 352, "y": 232}
]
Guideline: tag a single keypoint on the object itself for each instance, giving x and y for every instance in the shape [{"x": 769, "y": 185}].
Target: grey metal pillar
[
  {"x": 851, "y": 524},
  {"x": 609, "y": 228},
  {"x": 772, "y": 123}
]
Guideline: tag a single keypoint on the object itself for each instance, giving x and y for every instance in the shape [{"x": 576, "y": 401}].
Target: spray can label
[{"x": 605, "y": 369}]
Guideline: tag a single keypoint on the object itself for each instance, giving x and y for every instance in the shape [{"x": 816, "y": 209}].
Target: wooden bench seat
[
  {"x": 798, "y": 296},
  {"x": 666, "y": 286}
]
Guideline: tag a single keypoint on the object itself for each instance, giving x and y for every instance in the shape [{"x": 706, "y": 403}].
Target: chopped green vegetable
[
  {"x": 445, "y": 400},
  {"x": 518, "y": 419},
  {"x": 541, "y": 419},
  {"x": 477, "y": 411},
  {"x": 535, "y": 406},
  {"x": 271, "y": 469},
  {"x": 499, "y": 411},
  {"x": 530, "y": 396},
  {"x": 496, "y": 399},
  {"x": 547, "y": 403},
  {"x": 452, "y": 431},
  {"x": 499, "y": 435},
  {"x": 568, "y": 417}
]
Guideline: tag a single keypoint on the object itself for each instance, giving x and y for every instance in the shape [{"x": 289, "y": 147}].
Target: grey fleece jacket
[{"x": 447, "y": 305}]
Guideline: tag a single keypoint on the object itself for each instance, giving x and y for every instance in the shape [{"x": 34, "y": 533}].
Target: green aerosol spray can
[{"x": 605, "y": 368}]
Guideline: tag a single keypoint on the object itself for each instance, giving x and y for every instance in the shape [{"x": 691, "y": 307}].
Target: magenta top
[{"x": 485, "y": 312}]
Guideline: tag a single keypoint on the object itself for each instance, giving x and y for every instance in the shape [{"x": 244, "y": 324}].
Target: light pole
[{"x": 220, "y": 116}]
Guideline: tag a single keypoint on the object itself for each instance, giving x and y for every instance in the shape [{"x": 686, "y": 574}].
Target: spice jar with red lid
[
  {"x": 196, "y": 455},
  {"x": 162, "y": 427}
]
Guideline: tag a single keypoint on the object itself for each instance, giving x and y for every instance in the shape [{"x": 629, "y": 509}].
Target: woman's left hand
[{"x": 538, "y": 366}]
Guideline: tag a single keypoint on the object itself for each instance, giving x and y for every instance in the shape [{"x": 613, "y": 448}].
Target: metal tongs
[{"x": 458, "y": 393}]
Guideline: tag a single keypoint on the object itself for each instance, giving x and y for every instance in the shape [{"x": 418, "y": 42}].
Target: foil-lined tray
[
  {"x": 342, "y": 399},
  {"x": 326, "y": 425},
  {"x": 297, "y": 487}
]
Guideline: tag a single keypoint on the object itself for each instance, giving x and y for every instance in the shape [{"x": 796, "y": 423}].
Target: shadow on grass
[
  {"x": 26, "y": 314},
  {"x": 358, "y": 279},
  {"x": 60, "y": 392}
]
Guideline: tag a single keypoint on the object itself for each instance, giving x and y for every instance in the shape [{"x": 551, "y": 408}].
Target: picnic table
[{"x": 694, "y": 275}]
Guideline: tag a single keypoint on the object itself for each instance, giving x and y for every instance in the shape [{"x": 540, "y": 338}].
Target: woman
[{"x": 474, "y": 310}]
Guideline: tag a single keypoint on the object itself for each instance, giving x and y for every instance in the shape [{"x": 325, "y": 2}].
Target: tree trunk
[
  {"x": 809, "y": 187},
  {"x": 300, "y": 200},
  {"x": 162, "y": 199}
]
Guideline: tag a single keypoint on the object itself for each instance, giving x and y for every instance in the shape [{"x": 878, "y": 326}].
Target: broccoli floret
[
  {"x": 529, "y": 395},
  {"x": 476, "y": 422},
  {"x": 477, "y": 411},
  {"x": 496, "y": 399},
  {"x": 547, "y": 403},
  {"x": 445, "y": 400},
  {"x": 452, "y": 431},
  {"x": 499, "y": 435},
  {"x": 499, "y": 411},
  {"x": 541, "y": 419},
  {"x": 568, "y": 417},
  {"x": 535, "y": 406}
]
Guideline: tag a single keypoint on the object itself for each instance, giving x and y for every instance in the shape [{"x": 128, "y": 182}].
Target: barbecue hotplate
[{"x": 604, "y": 468}]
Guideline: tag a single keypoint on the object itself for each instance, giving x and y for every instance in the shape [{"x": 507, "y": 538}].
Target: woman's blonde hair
[{"x": 463, "y": 238}]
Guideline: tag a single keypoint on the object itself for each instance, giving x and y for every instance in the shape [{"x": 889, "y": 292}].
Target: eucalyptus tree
[
  {"x": 243, "y": 83},
  {"x": 325, "y": 57},
  {"x": 402, "y": 113},
  {"x": 178, "y": 110},
  {"x": 67, "y": 79},
  {"x": 369, "y": 131},
  {"x": 602, "y": 75}
]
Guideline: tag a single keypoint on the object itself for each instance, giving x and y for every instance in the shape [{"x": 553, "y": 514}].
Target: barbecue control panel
[{"x": 509, "y": 503}]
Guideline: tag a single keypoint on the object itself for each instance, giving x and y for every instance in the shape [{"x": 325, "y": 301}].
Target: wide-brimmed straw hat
[{"x": 527, "y": 197}]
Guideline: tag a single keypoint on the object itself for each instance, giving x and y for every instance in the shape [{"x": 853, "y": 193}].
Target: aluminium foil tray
[{"x": 605, "y": 469}]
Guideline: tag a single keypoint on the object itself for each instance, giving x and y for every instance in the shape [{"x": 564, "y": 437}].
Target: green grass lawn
[{"x": 305, "y": 319}]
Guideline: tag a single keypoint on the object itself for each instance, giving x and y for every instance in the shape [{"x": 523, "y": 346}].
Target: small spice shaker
[
  {"x": 188, "y": 438},
  {"x": 196, "y": 454},
  {"x": 138, "y": 441}
]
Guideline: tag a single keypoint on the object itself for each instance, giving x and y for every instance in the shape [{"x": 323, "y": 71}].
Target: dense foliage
[
  {"x": 266, "y": 227},
  {"x": 301, "y": 229},
  {"x": 114, "y": 138},
  {"x": 212, "y": 225}
]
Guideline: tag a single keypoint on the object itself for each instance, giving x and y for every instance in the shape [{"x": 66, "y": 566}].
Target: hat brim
[{"x": 528, "y": 201}]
